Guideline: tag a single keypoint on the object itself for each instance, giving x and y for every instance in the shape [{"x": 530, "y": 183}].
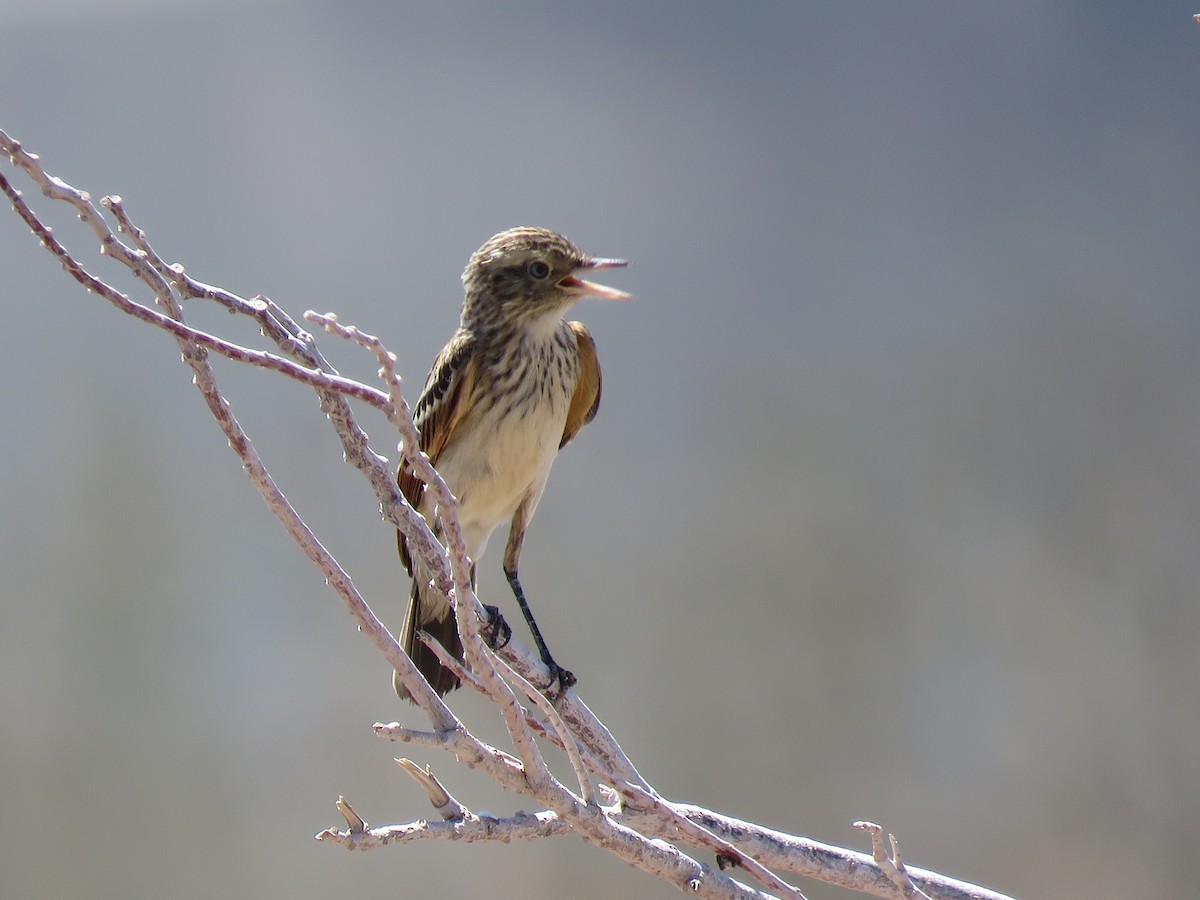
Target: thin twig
[
  {"x": 443, "y": 801},
  {"x": 543, "y": 782},
  {"x": 565, "y": 740},
  {"x": 520, "y": 826},
  {"x": 624, "y": 829}
]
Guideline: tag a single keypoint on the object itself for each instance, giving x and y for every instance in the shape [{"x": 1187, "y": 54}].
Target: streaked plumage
[{"x": 514, "y": 385}]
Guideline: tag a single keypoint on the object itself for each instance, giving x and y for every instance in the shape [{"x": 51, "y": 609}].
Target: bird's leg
[
  {"x": 564, "y": 677},
  {"x": 512, "y": 555}
]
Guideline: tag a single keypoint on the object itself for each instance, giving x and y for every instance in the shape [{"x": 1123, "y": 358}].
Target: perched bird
[{"x": 511, "y": 388}]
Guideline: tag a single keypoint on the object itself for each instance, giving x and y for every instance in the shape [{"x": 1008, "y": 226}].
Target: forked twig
[{"x": 638, "y": 826}]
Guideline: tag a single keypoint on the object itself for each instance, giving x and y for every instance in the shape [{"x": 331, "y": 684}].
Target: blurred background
[{"x": 891, "y": 511}]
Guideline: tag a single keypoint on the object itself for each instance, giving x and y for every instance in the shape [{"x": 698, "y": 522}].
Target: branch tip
[
  {"x": 353, "y": 820},
  {"x": 892, "y": 864},
  {"x": 442, "y": 800}
]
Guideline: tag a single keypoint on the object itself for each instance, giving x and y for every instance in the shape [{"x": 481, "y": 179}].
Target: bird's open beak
[{"x": 581, "y": 288}]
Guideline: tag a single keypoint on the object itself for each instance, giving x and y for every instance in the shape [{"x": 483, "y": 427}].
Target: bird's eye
[{"x": 539, "y": 269}]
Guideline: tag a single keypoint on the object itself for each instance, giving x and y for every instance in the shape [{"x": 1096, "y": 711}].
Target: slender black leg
[{"x": 564, "y": 677}]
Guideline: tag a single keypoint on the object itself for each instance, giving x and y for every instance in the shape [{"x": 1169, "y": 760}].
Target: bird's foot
[
  {"x": 560, "y": 680},
  {"x": 496, "y": 631}
]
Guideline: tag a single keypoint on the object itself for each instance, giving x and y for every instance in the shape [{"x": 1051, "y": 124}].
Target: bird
[{"x": 512, "y": 387}]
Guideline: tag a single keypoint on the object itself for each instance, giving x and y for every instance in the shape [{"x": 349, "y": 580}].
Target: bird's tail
[{"x": 430, "y": 613}]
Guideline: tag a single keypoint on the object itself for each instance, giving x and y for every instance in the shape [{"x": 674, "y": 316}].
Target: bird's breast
[{"x": 503, "y": 454}]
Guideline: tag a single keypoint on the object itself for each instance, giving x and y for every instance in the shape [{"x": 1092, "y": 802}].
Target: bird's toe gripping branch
[{"x": 496, "y": 631}]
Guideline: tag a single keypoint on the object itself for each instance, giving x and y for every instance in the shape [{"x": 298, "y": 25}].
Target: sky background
[{"x": 891, "y": 510}]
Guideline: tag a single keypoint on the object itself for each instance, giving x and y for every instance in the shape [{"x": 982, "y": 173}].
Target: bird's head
[{"x": 523, "y": 275}]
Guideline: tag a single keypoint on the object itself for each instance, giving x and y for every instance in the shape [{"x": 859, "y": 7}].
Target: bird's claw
[
  {"x": 563, "y": 678},
  {"x": 496, "y": 631}
]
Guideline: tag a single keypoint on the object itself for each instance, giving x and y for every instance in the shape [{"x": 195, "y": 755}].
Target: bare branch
[
  {"x": 727, "y": 854},
  {"x": 443, "y": 801},
  {"x": 543, "y": 782},
  {"x": 566, "y": 741},
  {"x": 520, "y": 826},
  {"x": 891, "y": 864},
  {"x": 634, "y": 823},
  {"x": 353, "y": 820}
]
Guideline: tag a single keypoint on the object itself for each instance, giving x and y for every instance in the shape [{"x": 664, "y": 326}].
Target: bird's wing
[
  {"x": 586, "y": 399},
  {"x": 447, "y": 395}
]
